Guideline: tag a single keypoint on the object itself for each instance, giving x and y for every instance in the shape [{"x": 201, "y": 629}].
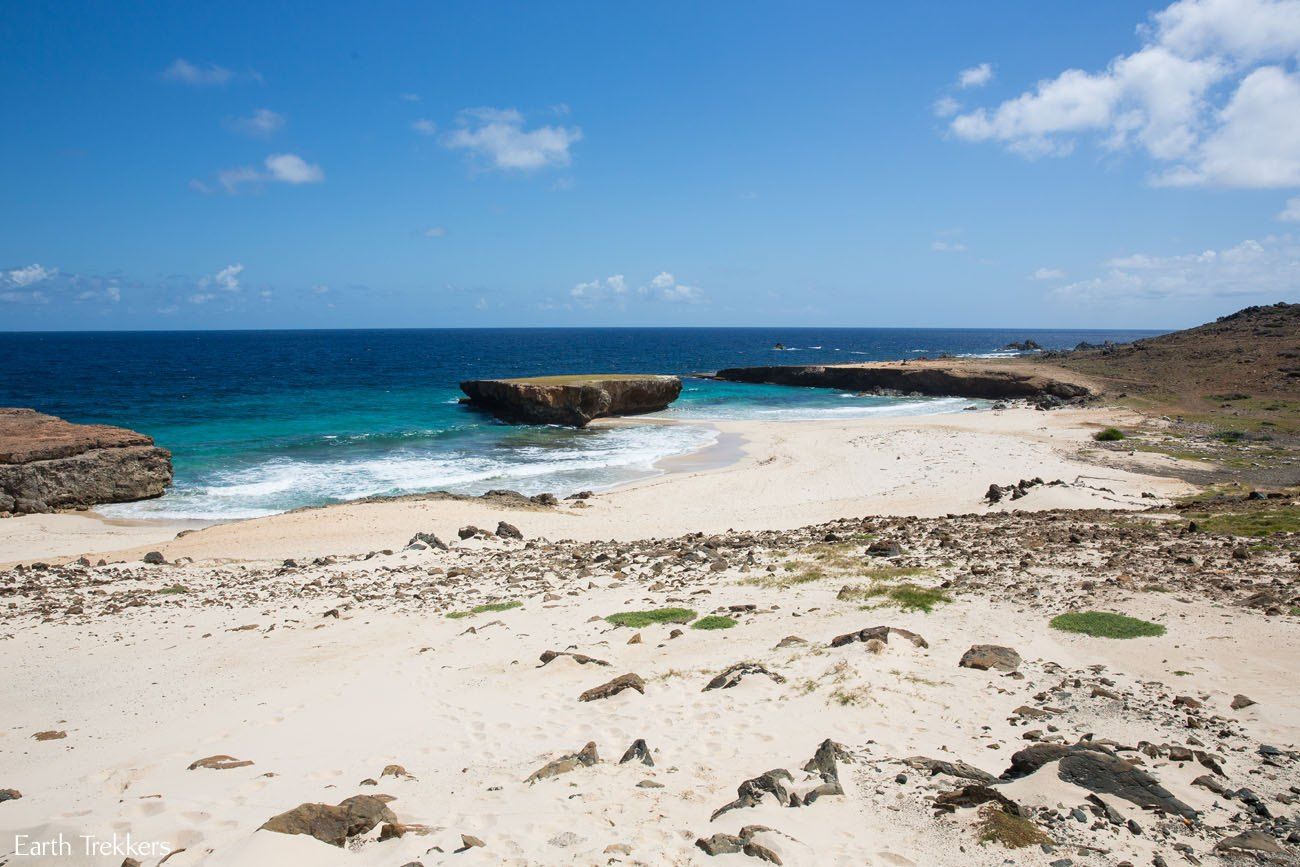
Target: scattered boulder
[
  {"x": 878, "y": 633},
  {"x": 1240, "y": 702},
  {"x": 638, "y": 752},
  {"x": 333, "y": 824},
  {"x": 218, "y": 763},
  {"x": 1249, "y": 842},
  {"x": 584, "y": 758},
  {"x": 614, "y": 687},
  {"x": 155, "y": 558},
  {"x": 952, "y": 769},
  {"x": 986, "y": 656},
  {"x": 972, "y": 796},
  {"x": 50, "y": 736},
  {"x": 509, "y": 531},
  {"x": 428, "y": 539},
  {"x": 580, "y": 658},
  {"x": 733, "y": 674},
  {"x": 9, "y": 795}
]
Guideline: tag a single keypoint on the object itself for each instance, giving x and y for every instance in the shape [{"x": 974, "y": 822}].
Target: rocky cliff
[
  {"x": 955, "y": 380},
  {"x": 47, "y": 463},
  {"x": 571, "y": 400}
]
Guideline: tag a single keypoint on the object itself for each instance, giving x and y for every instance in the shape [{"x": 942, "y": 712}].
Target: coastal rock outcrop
[
  {"x": 571, "y": 400},
  {"x": 47, "y": 463},
  {"x": 949, "y": 380}
]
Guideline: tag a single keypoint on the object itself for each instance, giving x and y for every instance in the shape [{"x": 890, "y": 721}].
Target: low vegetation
[
  {"x": 174, "y": 588},
  {"x": 1109, "y": 435},
  {"x": 484, "y": 609},
  {"x": 1262, "y": 522},
  {"x": 639, "y": 619},
  {"x": 1104, "y": 624},
  {"x": 996, "y": 825},
  {"x": 907, "y": 596},
  {"x": 713, "y": 621}
]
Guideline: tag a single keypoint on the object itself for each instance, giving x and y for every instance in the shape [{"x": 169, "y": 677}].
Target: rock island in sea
[{"x": 573, "y": 399}]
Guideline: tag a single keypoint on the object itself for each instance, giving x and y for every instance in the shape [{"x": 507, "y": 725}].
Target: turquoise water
[{"x": 262, "y": 422}]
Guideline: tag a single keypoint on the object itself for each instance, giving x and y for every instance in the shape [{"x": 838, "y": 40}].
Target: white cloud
[
  {"x": 435, "y": 232},
  {"x": 189, "y": 73},
  {"x": 409, "y": 97},
  {"x": 615, "y": 289},
  {"x": 1291, "y": 213},
  {"x": 598, "y": 291},
  {"x": 1047, "y": 274},
  {"x": 26, "y": 276},
  {"x": 280, "y": 168},
  {"x": 111, "y": 293},
  {"x": 946, "y": 106},
  {"x": 941, "y": 246},
  {"x": 498, "y": 137},
  {"x": 262, "y": 122},
  {"x": 226, "y": 280},
  {"x": 1197, "y": 96},
  {"x": 293, "y": 169},
  {"x": 424, "y": 126},
  {"x": 976, "y": 76},
  {"x": 1269, "y": 268},
  {"x": 35, "y": 296},
  {"x": 665, "y": 287}
]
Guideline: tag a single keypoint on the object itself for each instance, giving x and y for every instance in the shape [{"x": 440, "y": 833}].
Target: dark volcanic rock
[
  {"x": 614, "y": 687},
  {"x": 933, "y": 379},
  {"x": 583, "y": 758},
  {"x": 333, "y": 824},
  {"x": 571, "y": 400},
  {"x": 986, "y": 656},
  {"x": 1110, "y": 775},
  {"x": 47, "y": 463}
]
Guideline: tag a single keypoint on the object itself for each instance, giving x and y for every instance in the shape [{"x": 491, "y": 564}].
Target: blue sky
[{"x": 271, "y": 165}]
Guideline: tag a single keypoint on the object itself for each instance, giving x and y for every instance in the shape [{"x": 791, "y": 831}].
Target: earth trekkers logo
[{"x": 89, "y": 846}]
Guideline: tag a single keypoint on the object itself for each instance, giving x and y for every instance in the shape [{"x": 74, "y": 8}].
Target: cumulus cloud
[
  {"x": 424, "y": 126},
  {"x": 185, "y": 72},
  {"x": 1047, "y": 274},
  {"x": 279, "y": 168},
  {"x": 942, "y": 246},
  {"x": 1291, "y": 213},
  {"x": 29, "y": 274},
  {"x": 227, "y": 280},
  {"x": 498, "y": 138},
  {"x": 946, "y": 106},
  {"x": 263, "y": 123},
  {"x": 1209, "y": 96},
  {"x": 976, "y": 76},
  {"x": 1268, "y": 268},
  {"x": 616, "y": 290}
]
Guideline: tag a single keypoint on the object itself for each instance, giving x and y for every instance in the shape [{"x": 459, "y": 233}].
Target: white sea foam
[{"x": 592, "y": 460}]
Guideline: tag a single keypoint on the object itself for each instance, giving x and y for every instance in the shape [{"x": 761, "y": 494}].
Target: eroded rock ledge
[
  {"x": 571, "y": 400},
  {"x": 47, "y": 463},
  {"x": 949, "y": 380}
]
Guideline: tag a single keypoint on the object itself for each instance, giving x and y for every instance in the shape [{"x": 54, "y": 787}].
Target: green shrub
[
  {"x": 638, "y": 619},
  {"x": 483, "y": 609},
  {"x": 1103, "y": 624},
  {"x": 713, "y": 621},
  {"x": 1109, "y": 435}
]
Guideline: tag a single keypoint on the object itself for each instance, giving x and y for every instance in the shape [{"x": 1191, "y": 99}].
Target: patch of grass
[
  {"x": 1295, "y": 611},
  {"x": 1109, "y": 435},
  {"x": 1229, "y": 436},
  {"x": 173, "y": 589},
  {"x": 483, "y": 609},
  {"x": 713, "y": 621},
  {"x": 1262, "y": 522},
  {"x": 1104, "y": 624},
  {"x": 1181, "y": 673},
  {"x": 1227, "y": 398},
  {"x": 996, "y": 825},
  {"x": 639, "y": 619},
  {"x": 907, "y": 596}
]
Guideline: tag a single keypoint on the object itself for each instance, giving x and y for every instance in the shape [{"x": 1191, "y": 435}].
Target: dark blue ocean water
[{"x": 263, "y": 421}]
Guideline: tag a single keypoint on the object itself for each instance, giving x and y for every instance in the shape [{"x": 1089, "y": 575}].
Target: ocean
[{"x": 260, "y": 422}]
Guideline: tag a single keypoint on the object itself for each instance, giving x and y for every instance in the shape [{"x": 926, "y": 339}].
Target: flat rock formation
[
  {"x": 571, "y": 400},
  {"x": 939, "y": 379},
  {"x": 47, "y": 463}
]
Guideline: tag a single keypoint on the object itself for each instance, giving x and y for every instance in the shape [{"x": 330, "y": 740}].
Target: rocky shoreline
[
  {"x": 571, "y": 400},
  {"x": 47, "y": 463},
  {"x": 930, "y": 379}
]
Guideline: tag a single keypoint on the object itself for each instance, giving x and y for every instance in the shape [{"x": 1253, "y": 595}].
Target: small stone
[{"x": 1240, "y": 702}]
